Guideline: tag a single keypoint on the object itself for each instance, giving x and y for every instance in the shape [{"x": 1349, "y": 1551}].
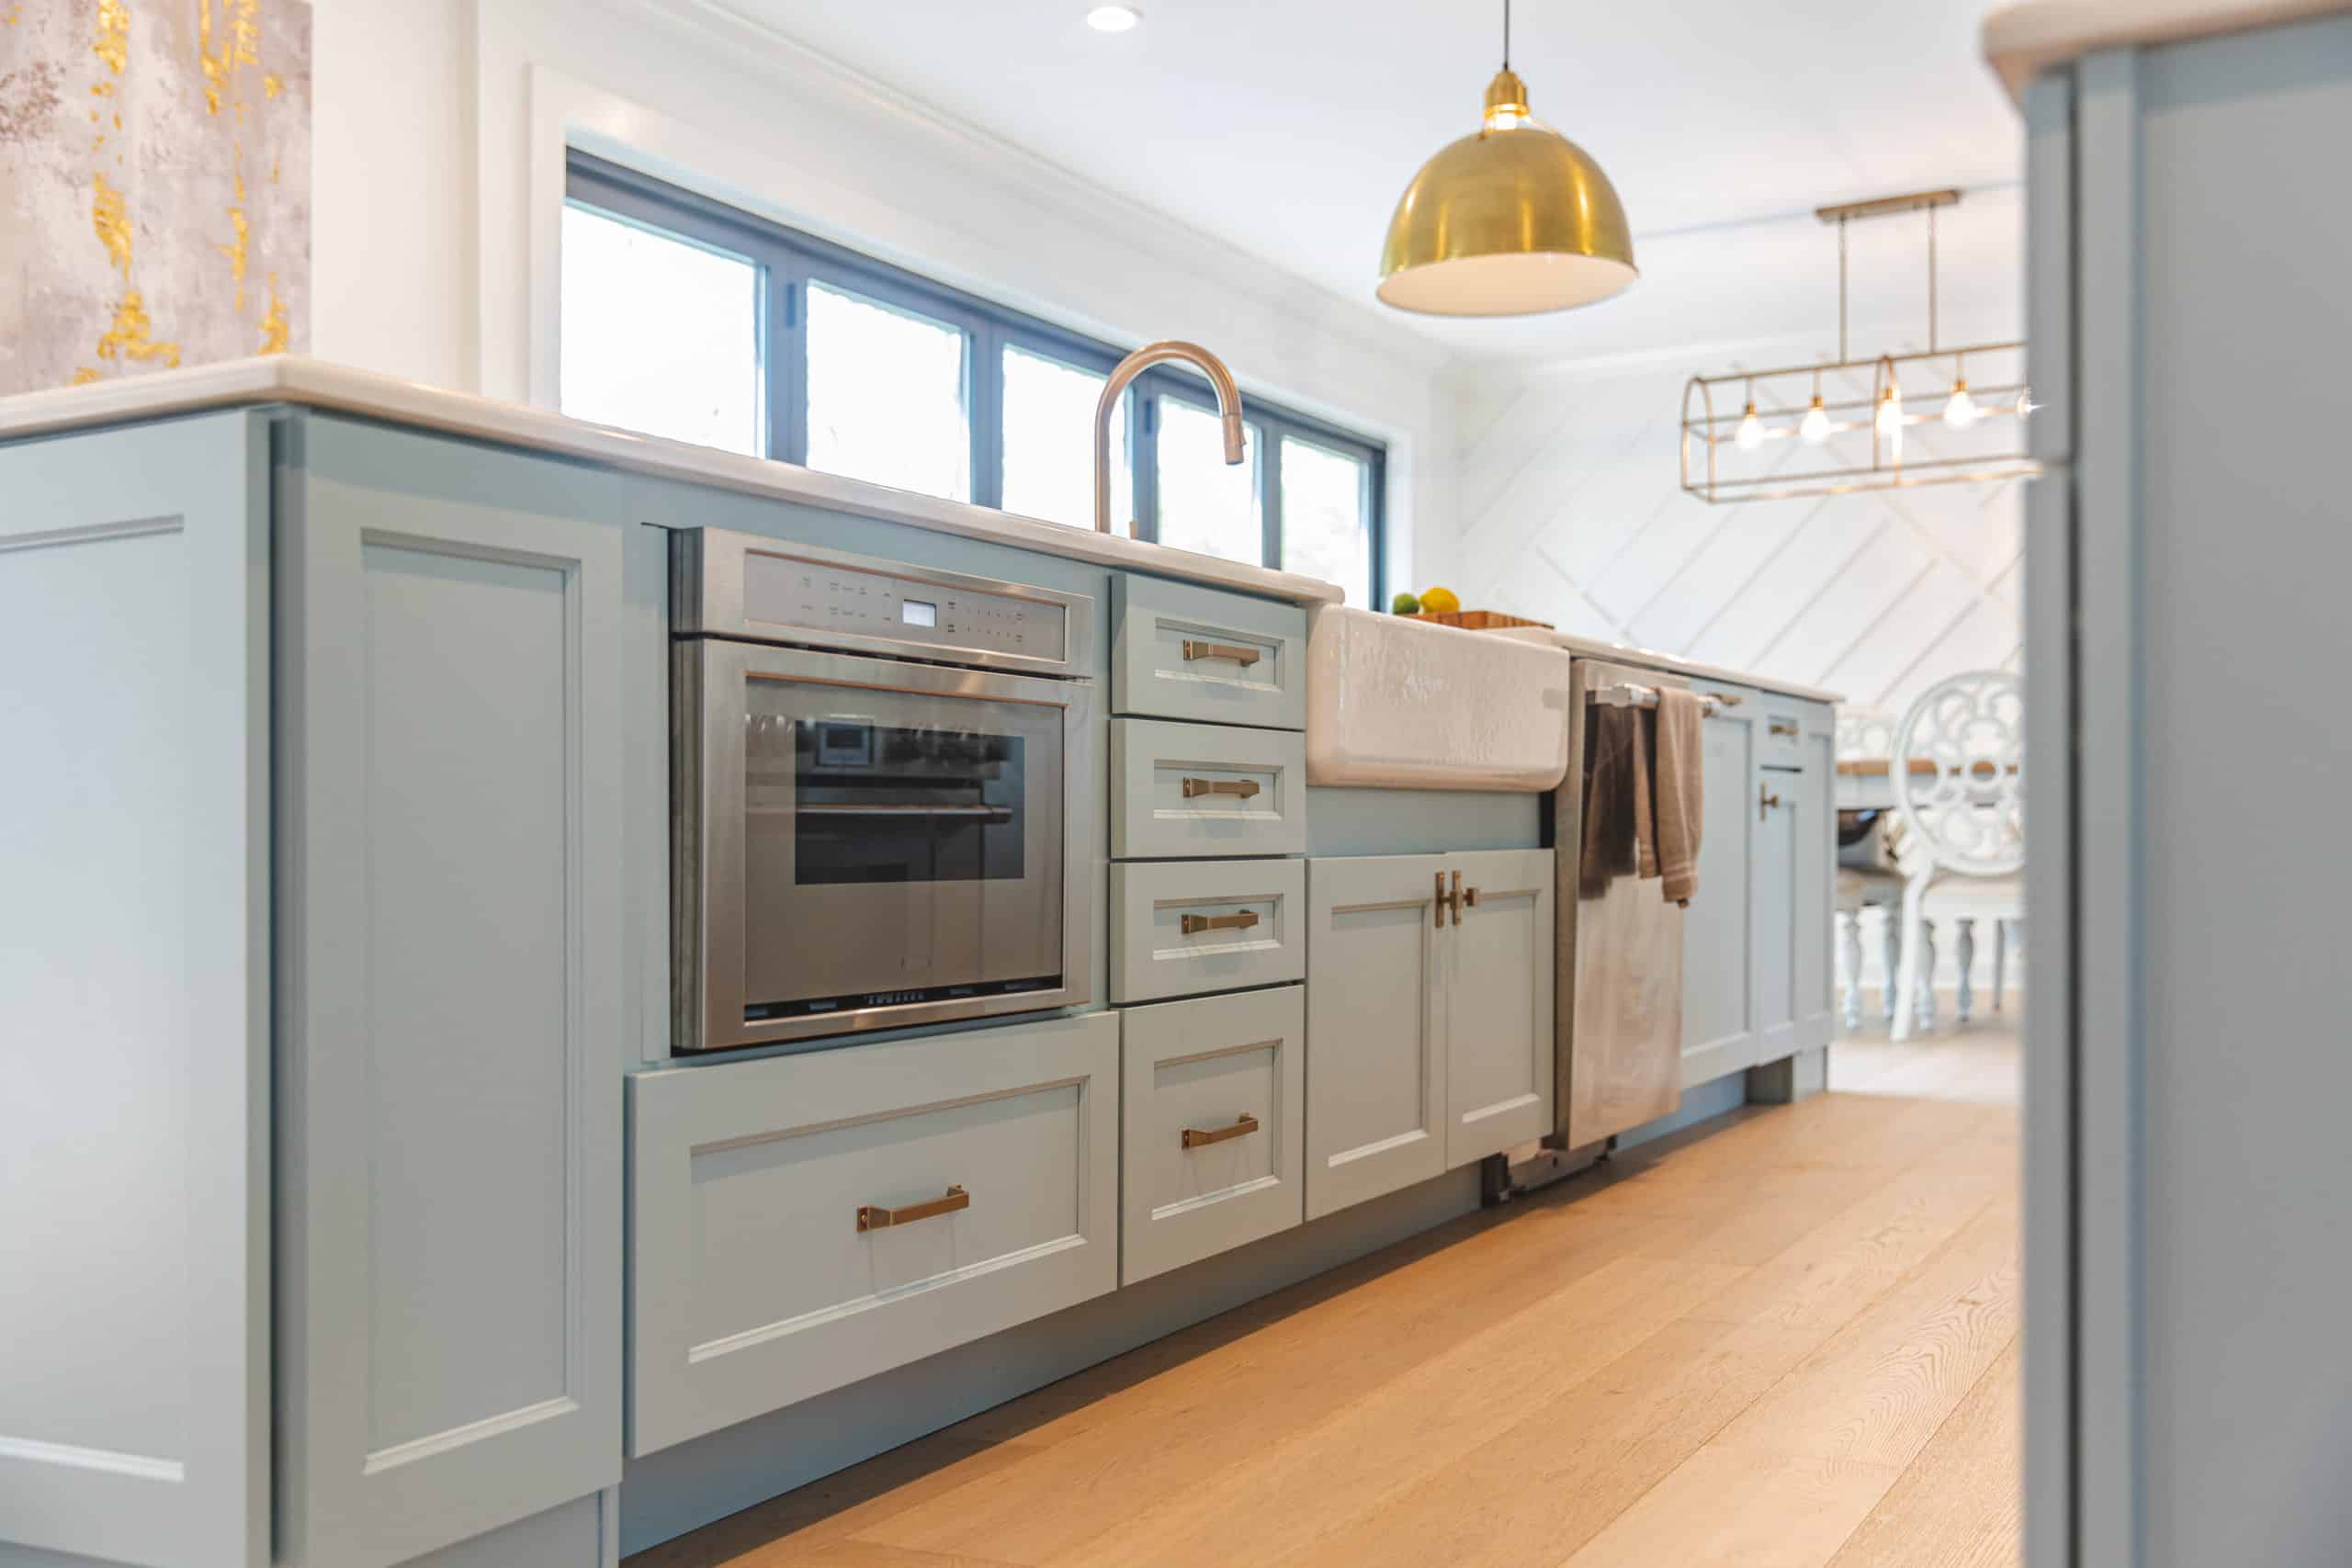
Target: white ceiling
[{"x": 1287, "y": 128}]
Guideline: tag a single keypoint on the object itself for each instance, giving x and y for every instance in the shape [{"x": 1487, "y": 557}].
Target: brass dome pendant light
[{"x": 1513, "y": 220}]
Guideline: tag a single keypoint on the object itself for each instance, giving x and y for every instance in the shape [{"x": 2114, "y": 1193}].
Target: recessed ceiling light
[{"x": 1113, "y": 18}]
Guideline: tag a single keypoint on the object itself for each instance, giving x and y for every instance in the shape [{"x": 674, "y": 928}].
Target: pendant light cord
[{"x": 1506, "y": 35}]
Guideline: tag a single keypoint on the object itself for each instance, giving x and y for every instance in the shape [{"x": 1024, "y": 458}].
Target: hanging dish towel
[
  {"x": 1613, "y": 783},
  {"x": 1669, "y": 805}
]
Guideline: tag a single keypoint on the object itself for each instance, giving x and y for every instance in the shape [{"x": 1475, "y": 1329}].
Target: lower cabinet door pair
[{"x": 1429, "y": 1016}]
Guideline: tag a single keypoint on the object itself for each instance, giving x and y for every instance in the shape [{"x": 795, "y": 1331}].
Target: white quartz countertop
[
  {"x": 314, "y": 383},
  {"x": 1665, "y": 664},
  {"x": 2023, "y": 41},
  {"x": 292, "y": 378}
]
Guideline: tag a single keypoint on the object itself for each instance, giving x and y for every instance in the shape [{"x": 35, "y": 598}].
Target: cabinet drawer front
[
  {"x": 1215, "y": 1121},
  {"x": 1245, "y": 919},
  {"x": 797, "y": 1223},
  {"x": 1206, "y": 789},
  {"x": 1780, "y": 729},
  {"x": 1182, "y": 651}
]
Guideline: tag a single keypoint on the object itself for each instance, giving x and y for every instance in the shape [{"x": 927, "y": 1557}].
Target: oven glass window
[
  {"x": 884, "y": 803},
  {"x": 899, "y": 847}
]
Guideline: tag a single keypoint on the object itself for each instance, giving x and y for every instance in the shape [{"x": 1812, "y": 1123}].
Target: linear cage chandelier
[{"x": 1882, "y": 423}]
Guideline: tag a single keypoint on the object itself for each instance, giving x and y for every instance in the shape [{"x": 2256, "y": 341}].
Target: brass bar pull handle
[
  {"x": 872, "y": 1217},
  {"x": 1457, "y": 898},
  {"x": 1192, "y": 925},
  {"x": 1195, "y": 1137},
  {"x": 1726, "y": 699},
  {"x": 1765, "y": 802},
  {"x": 1437, "y": 905},
  {"x": 1784, "y": 726},
  {"x": 1198, "y": 649},
  {"x": 1244, "y": 788}
]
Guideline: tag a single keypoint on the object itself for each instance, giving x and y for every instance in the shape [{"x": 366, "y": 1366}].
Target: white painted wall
[
  {"x": 1571, "y": 512},
  {"x": 439, "y": 156}
]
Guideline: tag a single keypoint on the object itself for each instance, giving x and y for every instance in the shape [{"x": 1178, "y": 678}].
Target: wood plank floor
[{"x": 1787, "y": 1338}]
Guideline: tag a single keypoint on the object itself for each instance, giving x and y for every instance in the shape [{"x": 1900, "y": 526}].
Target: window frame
[{"x": 789, "y": 261}]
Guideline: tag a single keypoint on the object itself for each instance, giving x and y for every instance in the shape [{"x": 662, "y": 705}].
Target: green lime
[{"x": 1405, "y": 605}]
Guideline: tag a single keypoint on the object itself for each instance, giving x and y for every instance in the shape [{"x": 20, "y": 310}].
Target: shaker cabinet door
[
  {"x": 1717, "y": 1034},
  {"x": 449, "y": 1140},
  {"x": 1499, "y": 1004},
  {"x": 1814, "y": 830},
  {"x": 1772, "y": 822},
  {"x": 1375, "y": 1023}
]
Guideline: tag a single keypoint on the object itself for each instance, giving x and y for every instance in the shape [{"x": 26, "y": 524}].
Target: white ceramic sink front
[{"x": 1405, "y": 704}]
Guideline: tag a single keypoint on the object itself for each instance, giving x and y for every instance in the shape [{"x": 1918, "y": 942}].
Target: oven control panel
[{"x": 821, "y": 597}]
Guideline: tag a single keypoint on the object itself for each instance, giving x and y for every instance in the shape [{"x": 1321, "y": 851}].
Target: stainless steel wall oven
[{"x": 883, "y": 782}]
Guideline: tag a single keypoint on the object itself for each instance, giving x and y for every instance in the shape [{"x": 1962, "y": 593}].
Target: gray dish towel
[
  {"x": 1614, "y": 743},
  {"x": 1669, "y": 802}
]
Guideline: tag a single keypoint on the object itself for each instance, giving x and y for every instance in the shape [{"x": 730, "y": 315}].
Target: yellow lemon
[{"x": 1440, "y": 600}]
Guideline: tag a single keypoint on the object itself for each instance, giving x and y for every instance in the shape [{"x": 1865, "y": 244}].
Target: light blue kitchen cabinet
[
  {"x": 1375, "y": 1026},
  {"x": 1179, "y": 650},
  {"x": 1792, "y": 838},
  {"x": 319, "y": 1168},
  {"x": 449, "y": 946},
  {"x": 134, "y": 965},
  {"x": 1813, "y": 824},
  {"x": 1773, "y": 836},
  {"x": 1498, "y": 1002},
  {"x": 1429, "y": 1016},
  {"x": 1756, "y": 956},
  {"x": 1718, "y": 1033},
  {"x": 2187, "y": 1255},
  {"x": 805, "y": 1220}
]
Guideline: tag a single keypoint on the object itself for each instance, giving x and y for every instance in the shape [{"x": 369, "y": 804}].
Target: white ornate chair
[{"x": 1959, "y": 780}]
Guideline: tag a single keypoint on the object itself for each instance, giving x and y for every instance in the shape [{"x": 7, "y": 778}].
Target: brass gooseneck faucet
[{"x": 1228, "y": 403}]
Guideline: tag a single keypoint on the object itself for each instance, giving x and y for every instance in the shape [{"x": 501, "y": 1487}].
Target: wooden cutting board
[{"x": 1475, "y": 620}]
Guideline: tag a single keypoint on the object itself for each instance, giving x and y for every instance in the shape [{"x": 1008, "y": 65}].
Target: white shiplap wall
[{"x": 1570, "y": 512}]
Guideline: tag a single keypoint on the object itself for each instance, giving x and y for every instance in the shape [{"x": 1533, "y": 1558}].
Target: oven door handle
[{"x": 975, "y": 813}]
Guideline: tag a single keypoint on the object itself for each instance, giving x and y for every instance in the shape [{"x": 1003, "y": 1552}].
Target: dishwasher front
[{"x": 1618, "y": 1017}]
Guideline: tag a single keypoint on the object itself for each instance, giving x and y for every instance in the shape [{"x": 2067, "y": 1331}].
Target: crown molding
[{"x": 1070, "y": 195}]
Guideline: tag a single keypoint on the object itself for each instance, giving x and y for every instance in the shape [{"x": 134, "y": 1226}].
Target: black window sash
[{"x": 790, "y": 260}]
